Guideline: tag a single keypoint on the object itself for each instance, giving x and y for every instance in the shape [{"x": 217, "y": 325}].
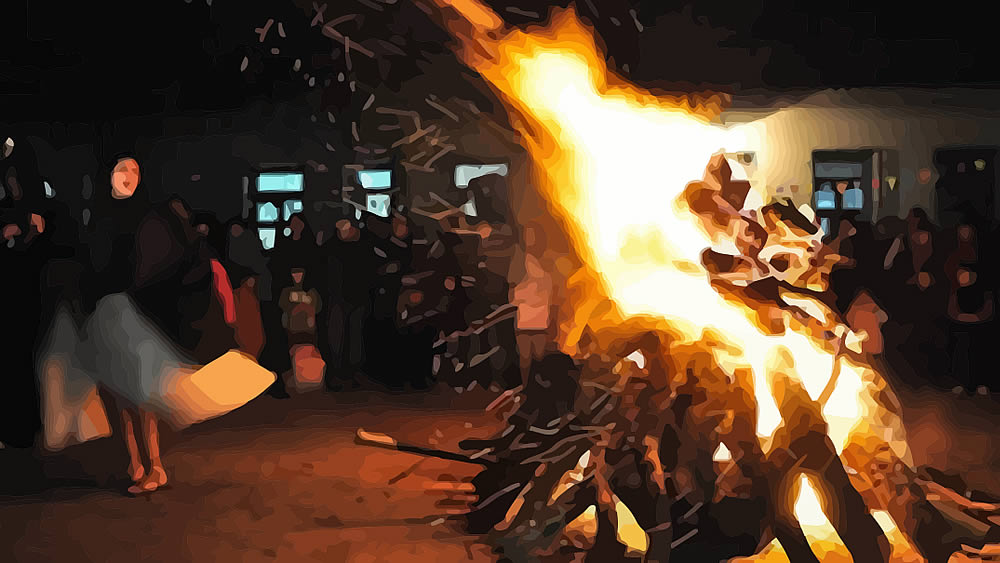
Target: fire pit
[{"x": 720, "y": 406}]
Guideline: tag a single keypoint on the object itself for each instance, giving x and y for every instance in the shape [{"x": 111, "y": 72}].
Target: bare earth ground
[
  {"x": 284, "y": 481},
  {"x": 275, "y": 480}
]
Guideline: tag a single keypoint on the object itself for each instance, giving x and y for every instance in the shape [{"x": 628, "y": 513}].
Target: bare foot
[
  {"x": 158, "y": 475},
  {"x": 147, "y": 485},
  {"x": 136, "y": 473}
]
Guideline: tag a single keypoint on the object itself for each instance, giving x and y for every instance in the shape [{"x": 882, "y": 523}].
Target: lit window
[
  {"x": 825, "y": 197},
  {"x": 465, "y": 173},
  {"x": 854, "y": 198},
  {"x": 49, "y": 192},
  {"x": 824, "y": 225},
  {"x": 267, "y": 212},
  {"x": 279, "y": 182},
  {"x": 378, "y": 204},
  {"x": 289, "y": 208},
  {"x": 375, "y": 179},
  {"x": 267, "y": 236}
]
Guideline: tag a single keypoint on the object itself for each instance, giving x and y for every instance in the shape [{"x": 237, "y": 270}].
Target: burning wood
[{"x": 709, "y": 329}]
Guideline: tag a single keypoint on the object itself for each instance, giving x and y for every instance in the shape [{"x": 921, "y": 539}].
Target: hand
[
  {"x": 11, "y": 231},
  {"x": 38, "y": 223}
]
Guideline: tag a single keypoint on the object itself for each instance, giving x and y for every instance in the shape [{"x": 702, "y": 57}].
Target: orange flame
[{"x": 613, "y": 161}]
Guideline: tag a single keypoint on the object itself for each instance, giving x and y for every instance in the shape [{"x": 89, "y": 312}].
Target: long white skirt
[{"x": 122, "y": 350}]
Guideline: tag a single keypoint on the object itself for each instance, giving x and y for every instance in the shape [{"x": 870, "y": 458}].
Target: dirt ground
[
  {"x": 275, "y": 480},
  {"x": 284, "y": 480}
]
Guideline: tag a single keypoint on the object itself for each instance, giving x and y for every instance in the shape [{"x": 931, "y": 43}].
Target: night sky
[{"x": 102, "y": 60}]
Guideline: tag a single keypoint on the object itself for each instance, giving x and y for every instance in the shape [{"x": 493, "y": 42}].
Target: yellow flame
[{"x": 612, "y": 161}]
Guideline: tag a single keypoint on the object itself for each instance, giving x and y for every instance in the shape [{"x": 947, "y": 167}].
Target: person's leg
[
  {"x": 157, "y": 476},
  {"x": 135, "y": 469},
  {"x": 523, "y": 341},
  {"x": 358, "y": 342}
]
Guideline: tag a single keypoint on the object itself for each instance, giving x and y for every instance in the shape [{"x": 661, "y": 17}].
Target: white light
[
  {"x": 638, "y": 358},
  {"x": 722, "y": 453}
]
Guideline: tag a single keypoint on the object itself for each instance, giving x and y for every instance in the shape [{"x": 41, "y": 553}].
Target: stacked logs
[
  {"x": 646, "y": 485},
  {"x": 610, "y": 455}
]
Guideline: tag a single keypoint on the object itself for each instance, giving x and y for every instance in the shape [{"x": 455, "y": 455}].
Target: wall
[{"x": 784, "y": 140}]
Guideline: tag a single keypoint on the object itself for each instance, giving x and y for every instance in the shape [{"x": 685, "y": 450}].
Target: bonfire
[{"x": 719, "y": 408}]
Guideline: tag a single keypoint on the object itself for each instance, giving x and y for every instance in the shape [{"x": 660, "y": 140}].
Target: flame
[{"x": 612, "y": 161}]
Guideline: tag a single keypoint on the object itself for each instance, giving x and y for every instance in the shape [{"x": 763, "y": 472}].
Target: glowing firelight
[{"x": 612, "y": 160}]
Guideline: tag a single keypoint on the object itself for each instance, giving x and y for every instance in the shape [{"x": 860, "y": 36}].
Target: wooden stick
[{"x": 385, "y": 441}]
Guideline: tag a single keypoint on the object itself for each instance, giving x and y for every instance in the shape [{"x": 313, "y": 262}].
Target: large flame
[{"x": 612, "y": 161}]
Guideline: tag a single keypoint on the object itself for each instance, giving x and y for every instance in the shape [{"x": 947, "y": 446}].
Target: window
[
  {"x": 378, "y": 204},
  {"x": 277, "y": 197},
  {"x": 825, "y": 197},
  {"x": 375, "y": 179},
  {"x": 854, "y": 198},
  {"x": 289, "y": 208},
  {"x": 267, "y": 212},
  {"x": 369, "y": 190},
  {"x": 279, "y": 182},
  {"x": 267, "y": 235},
  {"x": 465, "y": 173},
  {"x": 835, "y": 170},
  {"x": 840, "y": 176}
]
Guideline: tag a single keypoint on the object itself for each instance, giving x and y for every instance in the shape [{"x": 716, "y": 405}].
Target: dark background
[{"x": 104, "y": 60}]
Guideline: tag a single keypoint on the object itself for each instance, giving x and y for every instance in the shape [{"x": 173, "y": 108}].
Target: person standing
[
  {"x": 161, "y": 304},
  {"x": 533, "y": 297},
  {"x": 249, "y": 323},
  {"x": 300, "y": 308},
  {"x": 350, "y": 260},
  {"x": 22, "y": 227}
]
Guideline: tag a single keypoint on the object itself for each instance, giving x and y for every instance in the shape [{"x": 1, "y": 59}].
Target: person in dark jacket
[
  {"x": 350, "y": 269},
  {"x": 24, "y": 236},
  {"x": 154, "y": 254}
]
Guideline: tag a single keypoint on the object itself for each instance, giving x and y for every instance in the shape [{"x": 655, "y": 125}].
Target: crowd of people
[
  {"x": 348, "y": 303},
  {"x": 925, "y": 294},
  {"x": 353, "y": 302}
]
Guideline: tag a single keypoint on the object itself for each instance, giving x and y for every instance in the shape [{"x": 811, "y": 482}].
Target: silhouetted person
[
  {"x": 208, "y": 226},
  {"x": 245, "y": 251},
  {"x": 21, "y": 226},
  {"x": 533, "y": 297},
  {"x": 249, "y": 322},
  {"x": 350, "y": 271}
]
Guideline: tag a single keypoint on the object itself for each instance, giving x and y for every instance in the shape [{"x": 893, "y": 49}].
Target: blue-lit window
[
  {"x": 267, "y": 212},
  {"x": 854, "y": 198},
  {"x": 278, "y": 196},
  {"x": 825, "y": 197},
  {"x": 280, "y": 182},
  {"x": 375, "y": 179},
  {"x": 290, "y": 207},
  {"x": 824, "y": 225},
  {"x": 465, "y": 173},
  {"x": 378, "y": 204},
  {"x": 267, "y": 237}
]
